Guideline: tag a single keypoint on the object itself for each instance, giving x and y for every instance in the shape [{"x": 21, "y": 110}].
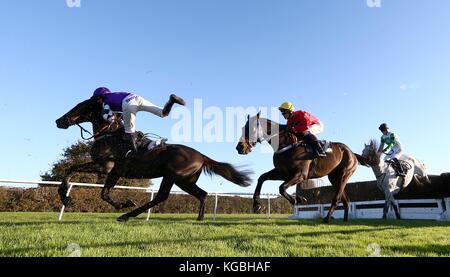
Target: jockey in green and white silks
[{"x": 392, "y": 147}]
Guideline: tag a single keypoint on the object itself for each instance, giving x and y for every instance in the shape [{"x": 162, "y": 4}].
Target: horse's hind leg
[
  {"x": 422, "y": 180},
  {"x": 198, "y": 193},
  {"x": 162, "y": 195},
  {"x": 346, "y": 203},
  {"x": 339, "y": 180}
]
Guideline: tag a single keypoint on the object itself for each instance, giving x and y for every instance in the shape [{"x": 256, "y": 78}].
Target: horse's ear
[
  {"x": 248, "y": 117},
  {"x": 258, "y": 114}
]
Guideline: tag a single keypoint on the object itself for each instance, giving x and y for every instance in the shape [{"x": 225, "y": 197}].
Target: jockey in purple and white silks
[
  {"x": 129, "y": 104},
  {"x": 391, "y": 146}
]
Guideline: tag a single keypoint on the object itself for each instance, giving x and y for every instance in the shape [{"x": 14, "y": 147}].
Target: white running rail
[{"x": 6, "y": 182}]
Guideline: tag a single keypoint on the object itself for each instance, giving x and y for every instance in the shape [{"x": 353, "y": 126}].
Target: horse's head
[
  {"x": 252, "y": 133},
  {"x": 370, "y": 153},
  {"x": 86, "y": 111}
]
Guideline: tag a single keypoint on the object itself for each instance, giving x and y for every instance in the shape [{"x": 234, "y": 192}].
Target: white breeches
[
  {"x": 133, "y": 104},
  {"x": 396, "y": 152},
  {"x": 316, "y": 128}
]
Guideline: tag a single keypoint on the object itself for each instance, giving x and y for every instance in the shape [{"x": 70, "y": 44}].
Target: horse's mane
[
  {"x": 373, "y": 154},
  {"x": 281, "y": 127},
  {"x": 374, "y": 144}
]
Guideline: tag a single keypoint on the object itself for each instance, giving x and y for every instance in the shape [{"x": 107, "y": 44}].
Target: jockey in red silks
[
  {"x": 304, "y": 125},
  {"x": 129, "y": 104}
]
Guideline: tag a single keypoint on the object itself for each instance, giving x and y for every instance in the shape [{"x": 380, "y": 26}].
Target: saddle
[
  {"x": 401, "y": 167},
  {"x": 145, "y": 144},
  {"x": 326, "y": 146}
]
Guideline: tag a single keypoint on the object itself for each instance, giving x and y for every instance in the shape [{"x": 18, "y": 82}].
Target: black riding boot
[
  {"x": 131, "y": 139},
  {"x": 172, "y": 100},
  {"x": 312, "y": 139},
  {"x": 398, "y": 168}
]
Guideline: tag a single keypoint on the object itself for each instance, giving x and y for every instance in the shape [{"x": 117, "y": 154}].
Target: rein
[
  {"x": 83, "y": 130},
  {"x": 267, "y": 137}
]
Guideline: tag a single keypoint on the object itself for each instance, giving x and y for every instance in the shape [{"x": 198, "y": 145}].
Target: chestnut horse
[
  {"x": 293, "y": 164},
  {"x": 177, "y": 164}
]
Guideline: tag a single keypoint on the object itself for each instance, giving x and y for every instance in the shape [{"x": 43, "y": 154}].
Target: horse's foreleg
[
  {"x": 297, "y": 179},
  {"x": 270, "y": 175},
  {"x": 389, "y": 201},
  {"x": 162, "y": 195},
  {"x": 111, "y": 181},
  {"x": 385, "y": 210},
  {"x": 89, "y": 167},
  {"x": 396, "y": 210}
]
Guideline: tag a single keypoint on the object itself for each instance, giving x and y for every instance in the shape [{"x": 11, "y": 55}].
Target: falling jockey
[
  {"x": 391, "y": 142},
  {"x": 129, "y": 104},
  {"x": 304, "y": 125}
]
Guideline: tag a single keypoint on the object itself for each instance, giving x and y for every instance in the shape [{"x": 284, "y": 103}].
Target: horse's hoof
[
  {"x": 257, "y": 209},
  {"x": 67, "y": 202},
  {"x": 326, "y": 220},
  {"x": 122, "y": 218},
  {"x": 129, "y": 204},
  {"x": 303, "y": 200}
]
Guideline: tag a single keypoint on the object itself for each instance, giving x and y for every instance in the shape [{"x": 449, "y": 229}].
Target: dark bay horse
[
  {"x": 177, "y": 164},
  {"x": 294, "y": 165}
]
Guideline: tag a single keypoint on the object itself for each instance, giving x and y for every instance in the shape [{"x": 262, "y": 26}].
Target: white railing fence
[
  {"x": 6, "y": 182},
  {"x": 431, "y": 209}
]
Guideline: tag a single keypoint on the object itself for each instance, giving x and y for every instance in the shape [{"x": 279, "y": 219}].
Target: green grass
[{"x": 38, "y": 234}]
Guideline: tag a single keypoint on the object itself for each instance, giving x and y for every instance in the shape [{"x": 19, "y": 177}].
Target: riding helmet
[
  {"x": 287, "y": 106},
  {"x": 101, "y": 91},
  {"x": 383, "y": 127}
]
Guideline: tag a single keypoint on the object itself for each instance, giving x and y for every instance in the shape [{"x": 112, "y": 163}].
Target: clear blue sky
[{"x": 352, "y": 66}]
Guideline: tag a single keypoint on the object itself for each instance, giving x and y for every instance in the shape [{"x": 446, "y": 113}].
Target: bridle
[
  {"x": 261, "y": 135},
  {"x": 83, "y": 130}
]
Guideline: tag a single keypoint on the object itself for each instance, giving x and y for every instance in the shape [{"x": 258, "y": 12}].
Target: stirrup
[
  {"x": 130, "y": 154},
  {"x": 321, "y": 153}
]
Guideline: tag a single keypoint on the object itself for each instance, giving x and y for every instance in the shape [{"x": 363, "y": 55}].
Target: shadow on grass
[
  {"x": 419, "y": 250},
  {"x": 40, "y": 223},
  {"x": 232, "y": 240}
]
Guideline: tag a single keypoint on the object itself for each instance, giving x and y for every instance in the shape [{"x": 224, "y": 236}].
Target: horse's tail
[
  {"x": 420, "y": 168},
  {"x": 361, "y": 159},
  {"x": 420, "y": 172},
  {"x": 227, "y": 171}
]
